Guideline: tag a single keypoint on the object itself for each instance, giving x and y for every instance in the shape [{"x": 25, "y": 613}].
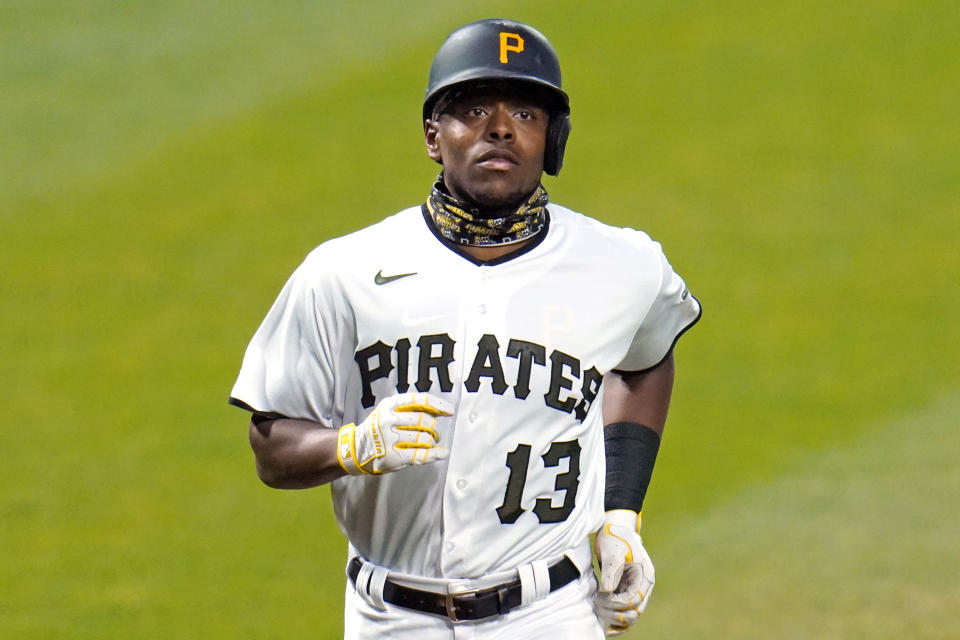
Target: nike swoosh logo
[{"x": 382, "y": 279}]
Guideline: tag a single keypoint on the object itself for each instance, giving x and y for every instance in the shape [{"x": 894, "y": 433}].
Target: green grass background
[{"x": 164, "y": 166}]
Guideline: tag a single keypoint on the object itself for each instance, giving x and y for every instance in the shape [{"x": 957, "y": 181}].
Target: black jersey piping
[
  {"x": 243, "y": 405},
  {"x": 672, "y": 345},
  {"x": 458, "y": 249},
  {"x": 237, "y": 402}
]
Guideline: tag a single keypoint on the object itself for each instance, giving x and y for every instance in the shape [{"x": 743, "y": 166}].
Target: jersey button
[
  {"x": 461, "y": 484},
  {"x": 450, "y": 546},
  {"x": 473, "y": 417},
  {"x": 482, "y": 308}
]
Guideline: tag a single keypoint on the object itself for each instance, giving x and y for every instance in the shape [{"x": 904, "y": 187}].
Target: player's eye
[
  {"x": 476, "y": 112},
  {"x": 524, "y": 115}
]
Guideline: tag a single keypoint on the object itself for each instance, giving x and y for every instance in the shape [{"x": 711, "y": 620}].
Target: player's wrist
[
  {"x": 626, "y": 518},
  {"x": 347, "y": 451}
]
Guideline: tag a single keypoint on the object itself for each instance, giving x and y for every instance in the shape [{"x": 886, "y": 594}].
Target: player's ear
[{"x": 430, "y": 133}]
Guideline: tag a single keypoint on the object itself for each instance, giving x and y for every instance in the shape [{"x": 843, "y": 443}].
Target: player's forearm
[
  {"x": 294, "y": 454},
  {"x": 634, "y": 414},
  {"x": 643, "y": 398}
]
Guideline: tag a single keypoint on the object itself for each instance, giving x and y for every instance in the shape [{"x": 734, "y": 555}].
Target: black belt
[{"x": 467, "y": 605}]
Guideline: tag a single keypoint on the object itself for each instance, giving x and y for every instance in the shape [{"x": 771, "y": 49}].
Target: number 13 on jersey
[{"x": 518, "y": 461}]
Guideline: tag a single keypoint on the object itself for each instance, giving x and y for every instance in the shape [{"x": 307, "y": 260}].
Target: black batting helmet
[{"x": 503, "y": 50}]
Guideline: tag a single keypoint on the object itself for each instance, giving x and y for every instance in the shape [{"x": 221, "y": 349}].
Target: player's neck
[
  {"x": 481, "y": 233},
  {"x": 485, "y": 211},
  {"x": 486, "y": 254}
]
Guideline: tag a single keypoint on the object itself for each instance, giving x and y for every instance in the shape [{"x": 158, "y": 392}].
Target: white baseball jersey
[{"x": 519, "y": 345}]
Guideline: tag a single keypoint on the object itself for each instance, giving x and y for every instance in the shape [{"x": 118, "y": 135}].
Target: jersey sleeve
[
  {"x": 672, "y": 311},
  {"x": 290, "y": 366}
]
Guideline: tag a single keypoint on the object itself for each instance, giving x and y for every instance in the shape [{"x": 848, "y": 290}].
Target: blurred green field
[{"x": 164, "y": 166}]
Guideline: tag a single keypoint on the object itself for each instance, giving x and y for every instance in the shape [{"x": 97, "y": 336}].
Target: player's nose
[{"x": 500, "y": 125}]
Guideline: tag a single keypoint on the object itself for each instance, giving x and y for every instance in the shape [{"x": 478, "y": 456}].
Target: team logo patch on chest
[{"x": 570, "y": 387}]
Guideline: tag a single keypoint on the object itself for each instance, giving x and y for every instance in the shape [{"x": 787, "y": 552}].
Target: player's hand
[
  {"x": 626, "y": 571},
  {"x": 400, "y": 432}
]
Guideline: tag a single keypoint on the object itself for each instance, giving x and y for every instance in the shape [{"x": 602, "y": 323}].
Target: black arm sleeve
[{"x": 631, "y": 451}]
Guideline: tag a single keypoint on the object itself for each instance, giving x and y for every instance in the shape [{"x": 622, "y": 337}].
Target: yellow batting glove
[
  {"x": 401, "y": 431},
  {"x": 626, "y": 571}
]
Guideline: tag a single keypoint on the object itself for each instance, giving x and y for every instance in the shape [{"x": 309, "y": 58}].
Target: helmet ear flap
[{"x": 557, "y": 133}]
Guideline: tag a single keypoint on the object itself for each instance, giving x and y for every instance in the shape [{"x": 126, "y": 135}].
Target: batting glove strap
[
  {"x": 624, "y": 518},
  {"x": 347, "y": 454}
]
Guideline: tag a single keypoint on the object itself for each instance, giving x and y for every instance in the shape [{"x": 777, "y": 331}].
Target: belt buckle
[{"x": 451, "y": 607}]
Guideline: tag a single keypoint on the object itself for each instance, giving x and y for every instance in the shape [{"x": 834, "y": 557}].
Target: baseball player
[{"x": 482, "y": 378}]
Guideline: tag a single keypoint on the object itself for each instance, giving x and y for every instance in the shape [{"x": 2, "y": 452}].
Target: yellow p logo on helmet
[{"x": 509, "y": 42}]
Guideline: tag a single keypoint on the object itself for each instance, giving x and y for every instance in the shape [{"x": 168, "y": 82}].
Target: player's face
[{"x": 490, "y": 143}]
